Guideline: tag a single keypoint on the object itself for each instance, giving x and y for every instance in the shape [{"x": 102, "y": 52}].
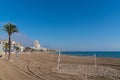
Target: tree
[
  {"x": 27, "y": 49},
  {"x": 6, "y": 46},
  {"x": 10, "y": 29},
  {"x": 17, "y": 49}
]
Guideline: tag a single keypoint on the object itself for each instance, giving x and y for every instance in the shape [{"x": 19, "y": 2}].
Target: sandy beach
[{"x": 41, "y": 66}]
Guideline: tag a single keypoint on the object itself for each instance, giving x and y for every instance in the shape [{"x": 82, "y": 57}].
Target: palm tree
[{"x": 10, "y": 29}]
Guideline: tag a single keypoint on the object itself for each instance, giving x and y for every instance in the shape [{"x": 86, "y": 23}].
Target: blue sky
[{"x": 66, "y": 24}]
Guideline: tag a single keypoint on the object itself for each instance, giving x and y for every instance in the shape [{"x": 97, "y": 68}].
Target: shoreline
[
  {"x": 85, "y": 56},
  {"x": 98, "y": 55}
]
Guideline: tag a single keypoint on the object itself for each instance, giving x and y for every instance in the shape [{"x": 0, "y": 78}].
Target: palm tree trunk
[{"x": 9, "y": 47}]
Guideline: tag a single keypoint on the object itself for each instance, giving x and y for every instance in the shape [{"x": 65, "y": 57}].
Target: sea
[{"x": 103, "y": 54}]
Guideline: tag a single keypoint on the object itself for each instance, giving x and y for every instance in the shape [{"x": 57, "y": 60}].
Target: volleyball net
[{"x": 89, "y": 60}]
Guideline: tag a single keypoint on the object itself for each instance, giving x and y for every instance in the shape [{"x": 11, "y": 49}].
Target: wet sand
[{"x": 39, "y": 65}]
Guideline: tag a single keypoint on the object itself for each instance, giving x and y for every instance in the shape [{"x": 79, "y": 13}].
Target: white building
[
  {"x": 13, "y": 46},
  {"x": 37, "y": 44}
]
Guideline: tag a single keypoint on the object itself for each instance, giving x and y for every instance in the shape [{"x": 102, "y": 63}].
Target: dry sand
[{"x": 39, "y": 66}]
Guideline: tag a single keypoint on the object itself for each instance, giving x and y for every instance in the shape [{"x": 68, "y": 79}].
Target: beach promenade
[{"x": 41, "y": 66}]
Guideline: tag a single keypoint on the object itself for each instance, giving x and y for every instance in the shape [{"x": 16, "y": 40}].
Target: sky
[{"x": 74, "y": 25}]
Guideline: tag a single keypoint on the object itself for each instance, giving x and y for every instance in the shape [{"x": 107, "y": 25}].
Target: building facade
[{"x": 14, "y": 44}]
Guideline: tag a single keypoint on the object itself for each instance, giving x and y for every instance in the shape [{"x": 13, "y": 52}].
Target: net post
[{"x": 58, "y": 64}]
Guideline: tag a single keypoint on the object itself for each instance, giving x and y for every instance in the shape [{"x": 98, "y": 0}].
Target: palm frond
[{"x": 10, "y": 28}]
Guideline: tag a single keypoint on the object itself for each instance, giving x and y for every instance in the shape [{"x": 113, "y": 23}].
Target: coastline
[{"x": 99, "y": 54}]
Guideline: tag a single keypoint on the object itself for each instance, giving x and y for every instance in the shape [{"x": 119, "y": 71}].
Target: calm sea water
[{"x": 98, "y": 54}]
